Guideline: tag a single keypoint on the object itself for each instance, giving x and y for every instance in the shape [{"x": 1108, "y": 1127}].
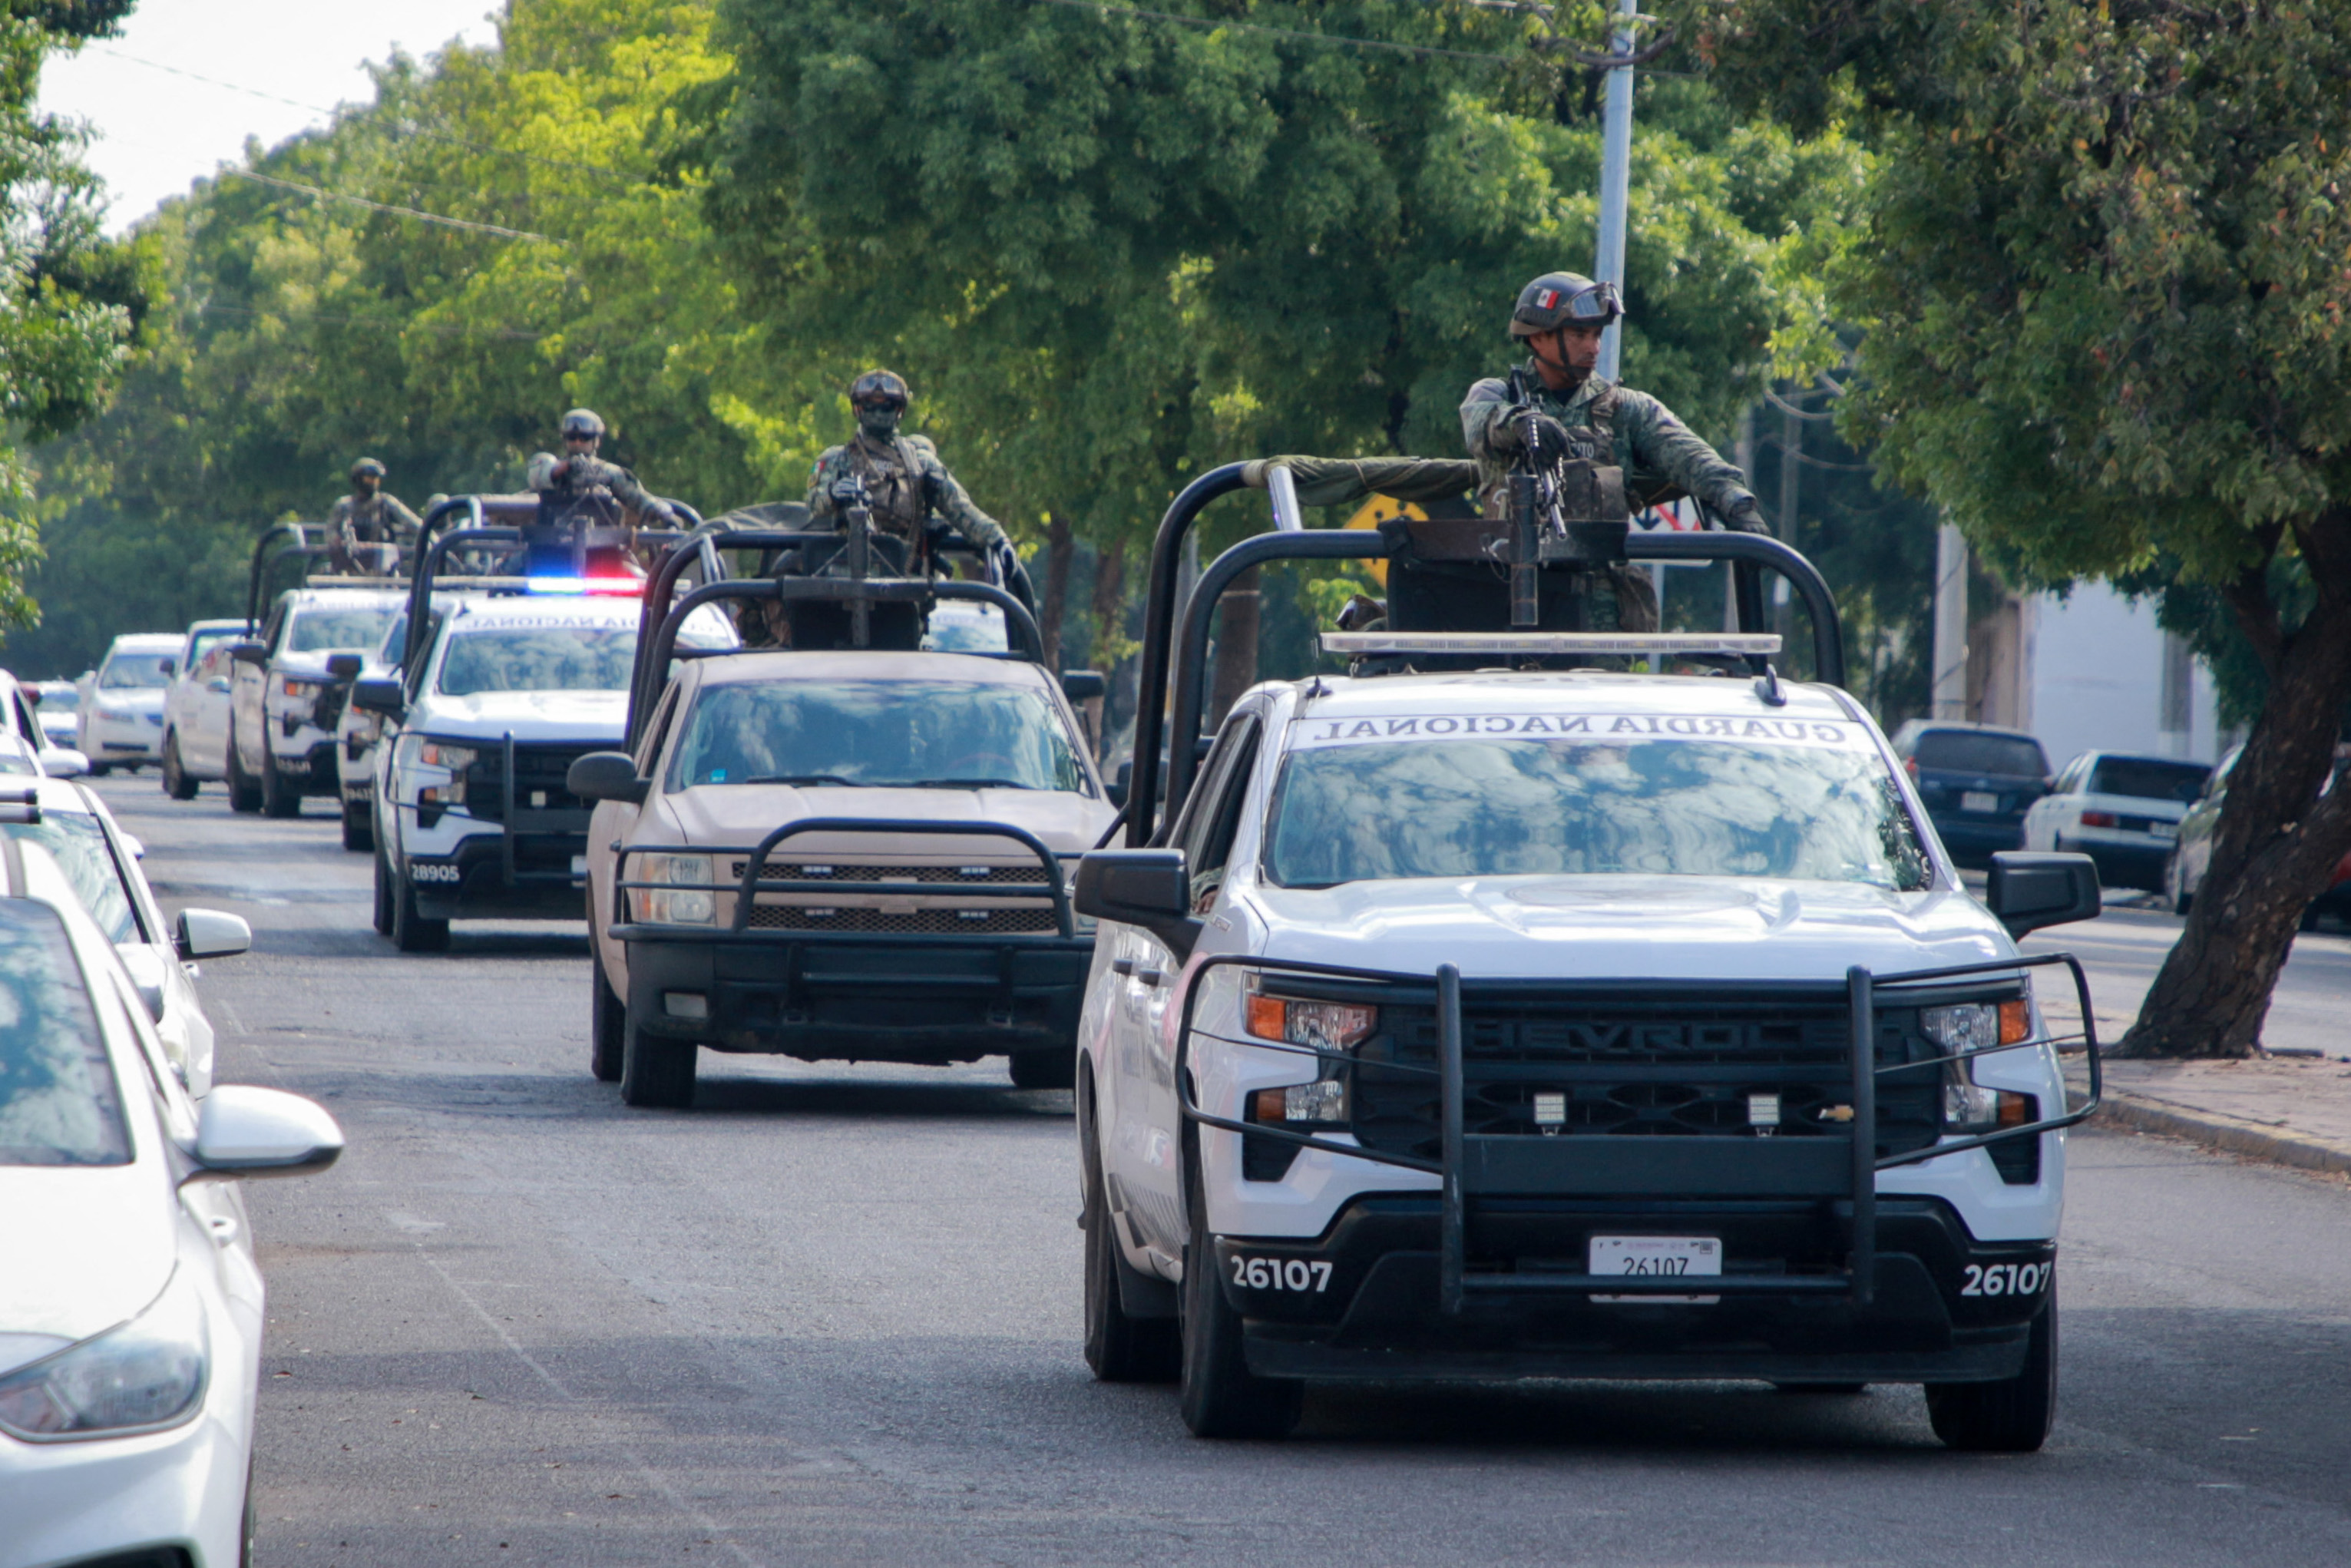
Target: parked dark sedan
[{"x": 1977, "y": 782}]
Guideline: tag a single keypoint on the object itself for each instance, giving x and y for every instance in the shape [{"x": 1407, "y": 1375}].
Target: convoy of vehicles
[{"x": 122, "y": 708}]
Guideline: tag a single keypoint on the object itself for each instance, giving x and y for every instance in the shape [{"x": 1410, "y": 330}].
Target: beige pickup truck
[{"x": 856, "y": 855}]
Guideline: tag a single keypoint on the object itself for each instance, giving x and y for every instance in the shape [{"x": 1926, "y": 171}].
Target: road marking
[{"x": 636, "y": 1461}]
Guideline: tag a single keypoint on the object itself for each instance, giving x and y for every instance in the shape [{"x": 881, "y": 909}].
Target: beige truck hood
[{"x": 743, "y": 814}]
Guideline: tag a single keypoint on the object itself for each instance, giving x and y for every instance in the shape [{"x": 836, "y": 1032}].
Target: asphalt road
[{"x": 830, "y": 1315}]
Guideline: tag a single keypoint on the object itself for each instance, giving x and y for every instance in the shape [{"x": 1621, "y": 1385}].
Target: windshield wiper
[
  {"x": 965, "y": 784},
  {"x": 804, "y": 779}
]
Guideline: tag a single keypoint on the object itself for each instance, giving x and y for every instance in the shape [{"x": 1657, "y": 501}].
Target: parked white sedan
[
  {"x": 2123, "y": 812},
  {"x": 122, "y": 701},
  {"x": 131, "y": 1305}
]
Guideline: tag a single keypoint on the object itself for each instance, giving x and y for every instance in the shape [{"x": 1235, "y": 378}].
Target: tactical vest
[{"x": 893, "y": 485}]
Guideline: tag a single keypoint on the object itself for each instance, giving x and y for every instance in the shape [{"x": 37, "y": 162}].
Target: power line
[
  {"x": 421, "y": 216},
  {"x": 404, "y": 128},
  {"x": 504, "y": 334},
  {"x": 1332, "y": 40}
]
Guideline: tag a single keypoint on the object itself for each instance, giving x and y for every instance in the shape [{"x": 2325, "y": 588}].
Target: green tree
[{"x": 2103, "y": 286}]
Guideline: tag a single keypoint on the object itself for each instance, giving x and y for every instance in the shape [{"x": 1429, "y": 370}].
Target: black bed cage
[{"x": 1171, "y": 701}]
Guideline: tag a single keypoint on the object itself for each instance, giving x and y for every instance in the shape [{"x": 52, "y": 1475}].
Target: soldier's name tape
[{"x": 1324, "y": 732}]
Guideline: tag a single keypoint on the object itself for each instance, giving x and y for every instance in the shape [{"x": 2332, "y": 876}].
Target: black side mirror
[
  {"x": 249, "y": 652},
  {"x": 1117, "y": 787},
  {"x": 1139, "y": 887},
  {"x": 344, "y": 666},
  {"x": 2029, "y": 889},
  {"x": 168, "y": 666},
  {"x": 380, "y": 695},
  {"x": 1082, "y": 685},
  {"x": 607, "y": 776}
]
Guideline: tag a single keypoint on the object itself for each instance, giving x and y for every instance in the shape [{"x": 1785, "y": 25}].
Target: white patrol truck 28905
[
  {"x": 472, "y": 817},
  {"x": 1500, "y": 1016}
]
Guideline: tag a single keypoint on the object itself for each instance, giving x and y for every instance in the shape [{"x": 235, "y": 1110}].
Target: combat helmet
[
  {"x": 879, "y": 386},
  {"x": 584, "y": 421},
  {"x": 367, "y": 467},
  {"x": 1558, "y": 299}
]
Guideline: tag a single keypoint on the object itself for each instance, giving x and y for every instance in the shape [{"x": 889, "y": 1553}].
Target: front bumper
[
  {"x": 930, "y": 999},
  {"x": 71, "y": 1502},
  {"x": 482, "y": 872},
  {"x": 125, "y": 739},
  {"x": 309, "y": 771},
  {"x": 1379, "y": 1316}
]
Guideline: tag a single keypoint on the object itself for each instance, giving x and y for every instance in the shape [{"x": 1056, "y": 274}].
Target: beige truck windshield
[{"x": 937, "y": 735}]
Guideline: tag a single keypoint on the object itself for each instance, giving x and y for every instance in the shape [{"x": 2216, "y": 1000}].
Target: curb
[{"x": 2230, "y": 1134}]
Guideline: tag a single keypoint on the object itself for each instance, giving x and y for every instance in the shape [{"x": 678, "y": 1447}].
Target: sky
[{"x": 276, "y": 67}]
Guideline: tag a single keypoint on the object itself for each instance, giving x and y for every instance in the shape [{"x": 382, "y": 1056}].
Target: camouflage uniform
[
  {"x": 377, "y": 520},
  {"x": 1657, "y": 452},
  {"x": 577, "y": 478},
  {"x": 905, "y": 483}
]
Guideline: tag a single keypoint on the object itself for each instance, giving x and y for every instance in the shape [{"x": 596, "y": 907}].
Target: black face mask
[{"x": 880, "y": 420}]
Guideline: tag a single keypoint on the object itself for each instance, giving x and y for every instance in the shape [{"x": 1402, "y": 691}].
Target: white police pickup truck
[
  {"x": 1512, "y": 1008},
  {"x": 473, "y": 819}
]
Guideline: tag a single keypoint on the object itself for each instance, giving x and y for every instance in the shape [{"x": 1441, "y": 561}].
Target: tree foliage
[{"x": 2105, "y": 292}]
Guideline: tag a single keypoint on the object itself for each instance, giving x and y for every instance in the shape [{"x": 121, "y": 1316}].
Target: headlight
[
  {"x": 1323, "y": 1100},
  {"x": 670, "y": 905},
  {"x": 1968, "y": 1108},
  {"x": 1325, "y": 1026},
  {"x": 147, "y": 1374},
  {"x": 1978, "y": 1026},
  {"x": 306, "y": 690},
  {"x": 441, "y": 754}
]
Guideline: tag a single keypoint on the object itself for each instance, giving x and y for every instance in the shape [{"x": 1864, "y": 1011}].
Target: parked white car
[
  {"x": 121, "y": 710},
  {"x": 474, "y": 818},
  {"x": 2122, "y": 811},
  {"x": 130, "y": 1304},
  {"x": 196, "y": 708}
]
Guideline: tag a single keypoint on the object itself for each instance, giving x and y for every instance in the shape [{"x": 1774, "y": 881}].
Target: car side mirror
[
  {"x": 2028, "y": 890},
  {"x": 63, "y": 762},
  {"x": 1117, "y": 787},
  {"x": 380, "y": 695},
  {"x": 343, "y": 666},
  {"x": 210, "y": 934},
  {"x": 242, "y": 1131},
  {"x": 168, "y": 666},
  {"x": 607, "y": 776},
  {"x": 1140, "y": 887},
  {"x": 249, "y": 652},
  {"x": 1082, "y": 685}
]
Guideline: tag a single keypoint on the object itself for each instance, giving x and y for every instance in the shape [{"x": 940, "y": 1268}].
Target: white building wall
[{"x": 2096, "y": 663}]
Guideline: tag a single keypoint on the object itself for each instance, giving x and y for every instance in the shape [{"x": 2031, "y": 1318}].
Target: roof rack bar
[
  {"x": 1746, "y": 551},
  {"x": 428, "y": 566},
  {"x": 1191, "y": 655},
  {"x": 661, "y": 589},
  {"x": 1158, "y": 616},
  {"x": 1743, "y": 644}
]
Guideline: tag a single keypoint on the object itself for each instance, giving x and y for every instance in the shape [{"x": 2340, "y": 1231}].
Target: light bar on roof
[
  {"x": 630, "y": 586},
  {"x": 1529, "y": 643}
]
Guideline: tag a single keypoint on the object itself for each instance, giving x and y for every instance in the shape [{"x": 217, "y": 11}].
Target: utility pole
[
  {"x": 1616, "y": 179},
  {"x": 1950, "y": 666}
]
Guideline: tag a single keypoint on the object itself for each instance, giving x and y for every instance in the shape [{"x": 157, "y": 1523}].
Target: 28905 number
[
  {"x": 1282, "y": 1274},
  {"x": 2005, "y": 1278}
]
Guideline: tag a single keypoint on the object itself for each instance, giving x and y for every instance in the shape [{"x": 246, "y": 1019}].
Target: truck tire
[
  {"x": 176, "y": 782},
  {"x": 244, "y": 794},
  {"x": 607, "y": 1023},
  {"x": 2012, "y": 1415},
  {"x": 278, "y": 798},
  {"x": 411, "y": 932},
  {"x": 383, "y": 895},
  {"x": 359, "y": 828},
  {"x": 1221, "y": 1396},
  {"x": 1119, "y": 1348},
  {"x": 1055, "y": 1067},
  {"x": 655, "y": 1072}
]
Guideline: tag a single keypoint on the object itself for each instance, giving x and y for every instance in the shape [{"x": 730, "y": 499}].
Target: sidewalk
[{"x": 2291, "y": 1108}]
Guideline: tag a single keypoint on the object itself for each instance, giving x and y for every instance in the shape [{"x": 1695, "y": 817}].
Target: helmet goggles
[{"x": 1564, "y": 299}]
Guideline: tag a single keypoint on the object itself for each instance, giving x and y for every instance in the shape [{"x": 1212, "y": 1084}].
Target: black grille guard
[{"x": 1475, "y": 1167}]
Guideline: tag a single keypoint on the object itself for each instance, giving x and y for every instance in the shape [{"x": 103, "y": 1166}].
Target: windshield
[
  {"x": 339, "y": 630},
  {"x": 128, "y": 670},
  {"x": 14, "y": 758},
  {"x": 1802, "y": 799},
  {"x": 59, "y": 1104},
  {"x": 204, "y": 642},
  {"x": 77, "y": 844},
  {"x": 1965, "y": 751},
  {"x": 2148, "y": 779},
  {"x": 922, "y": 734},
  {"x": 57, "y": 696}
]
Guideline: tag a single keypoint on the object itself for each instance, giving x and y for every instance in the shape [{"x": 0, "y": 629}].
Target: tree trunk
[
  {"x": 1058, "y": 551},
  {"x": 1236, "y": 658},
  {"x": 2278, "y": 839}
]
